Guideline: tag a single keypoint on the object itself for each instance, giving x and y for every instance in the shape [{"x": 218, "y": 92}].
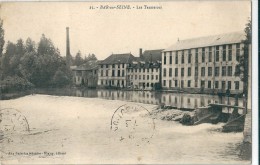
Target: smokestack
[
  {"x": 68, "y": 56},
  {"x": 140, "y": 52}
]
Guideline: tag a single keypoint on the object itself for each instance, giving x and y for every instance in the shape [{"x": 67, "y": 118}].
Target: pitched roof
[
  {"x": 221, "y": 39},
  {"x": 90, "y": 65},
  {"x": 118, "y": 58},
  {"x": 152, "y": 55}
]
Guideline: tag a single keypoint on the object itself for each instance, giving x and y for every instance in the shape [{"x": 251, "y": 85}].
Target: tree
[
  {"x": 91, "y": 57},
  {"x": 30, "y": 45},
  {"x": 242, "y": 66},
  {"x": 2, "y": 41},
  {"x": 78, "y": 59},
  {"x": 10, "y": 52},
  {"x": 46, "y": 46}
]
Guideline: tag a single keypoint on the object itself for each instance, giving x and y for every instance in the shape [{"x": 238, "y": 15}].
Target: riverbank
[
  {"x": 81, "y": 128},
  {"x": 15, "y": 94}
]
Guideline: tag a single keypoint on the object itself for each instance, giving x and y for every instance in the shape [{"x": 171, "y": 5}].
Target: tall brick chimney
[{"x": 68, "y": 55}]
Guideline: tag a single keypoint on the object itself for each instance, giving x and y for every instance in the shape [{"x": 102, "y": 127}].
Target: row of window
[
  {"x": 113, "y": 66},
  {"x": 144, "y": 76},
  {"x": 216, "y": 85},
  {"x": 113, "y": 82},
  {"x": 102, "y": 73},
  {"x": 143, "y": 70},
  {"x": 217, "y": 57},
  {"x": 226, "y": 71}
]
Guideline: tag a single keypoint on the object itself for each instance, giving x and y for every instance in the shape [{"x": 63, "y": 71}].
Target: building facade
[
  {"x": 145, "y": 72},
  {"x": 205, "y": 64},
  {"x": 112, "y": 71},
  {"x": 86, "y": 75}
]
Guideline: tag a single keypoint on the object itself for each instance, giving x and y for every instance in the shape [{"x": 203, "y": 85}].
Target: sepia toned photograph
[{"x": 167, "y": 82}]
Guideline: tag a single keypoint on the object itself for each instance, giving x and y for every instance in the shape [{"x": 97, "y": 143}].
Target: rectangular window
[
  {"x": 156, "y": 77},
  {"x": 118, "y": 73},
  {"x": 210, "y": 54},
  {"x": 229, "y": 52},
  {"x": 101, "y": 67},
  {"x": 140, "y": 77},
  {"x": 113, "y": 66},
  {"x": 106, "y": 66},
  {"x": 182, "y": 57},
  {"x": 164, "y": 72},
  {"x": 152, "y": 77},
  {"x": 101, "y": 72},
  {"x": 202, "y": 83},
  {"x": 170, "y": 83},
  {"x": 176, "y": 83},
  {"x": 135, "y": 77},
  {"x": 147, "y": 77},
  {"x": 229, "y": 70},
  {"x": 196, "y": 56},
  {"x": 123, "y": 65},
  {"x": 123, "y": 73},
  {"x": 182, "y": 83},
  {"x": 170, "y": 57},
  {"x": 182, "y": 72},
  {"x": 196, "y": 83},
  {"x": 224, "y": 70},
  {"x": 189, "y": 83},
  {"x": 176, "y": 72},
  {"x": 118, "y": 66},
  {"x": 224, "y": 53},
  {"x": 236, "y": 84},
  {"x": 229, "y": 84},
  {"x": 223, "y": 85},
  {"x": 164, "y": 59},
  {"x": 196, "y": 71},
  {"x": 139, "y": 70},
  {"x": 202, "y": 71},
  {"x": 176, "y": 58},
  {"x": 170, "y": 72},
  {"x": 143, "y": 77},
  {"x": 189, "y": 71},
  {"x": 217, "y": 53},
  {"x": 203, "y": 55},
  {"x": 164, "y": 82},
  {"x": 189, "y": 59},
  {"x": 113, "y": 73},
  {"x": 106, "y": 72},
  {"x": 209, "y": 84},
  {"x": 216, "y": 71},
  {"x": 209, "y": 71},
  {"x": 216, "y": 84}
]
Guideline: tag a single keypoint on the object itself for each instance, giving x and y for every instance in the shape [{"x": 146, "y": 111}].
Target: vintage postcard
[{"x": 165, "y": 82}]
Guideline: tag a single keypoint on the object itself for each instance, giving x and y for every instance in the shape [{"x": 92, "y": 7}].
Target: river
[{"x": 79, "y": 127}]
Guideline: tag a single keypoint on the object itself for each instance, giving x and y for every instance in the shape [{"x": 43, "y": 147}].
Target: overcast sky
[{"x": 104, "y": 32}]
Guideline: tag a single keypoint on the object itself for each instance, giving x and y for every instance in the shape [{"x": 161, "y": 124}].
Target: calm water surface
[{"x": 178, "y": 100}]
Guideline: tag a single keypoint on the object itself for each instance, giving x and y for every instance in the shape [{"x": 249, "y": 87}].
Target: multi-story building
[
  {"x": 112, "y": 70},
  {"x": 205, "y": 64},
  {"x": 86, "y": 74},
  {"x": 145, "y": 71}
]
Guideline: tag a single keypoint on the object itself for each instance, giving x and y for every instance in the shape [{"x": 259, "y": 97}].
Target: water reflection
[{"x": 178, "y": 100}]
